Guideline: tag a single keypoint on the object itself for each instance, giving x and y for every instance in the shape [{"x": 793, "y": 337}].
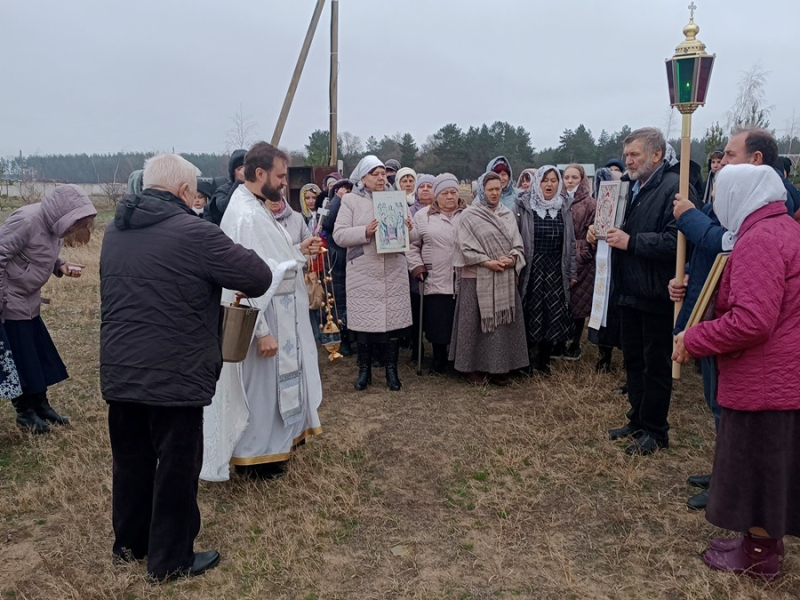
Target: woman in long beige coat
[{"x": 378, "y": 297}]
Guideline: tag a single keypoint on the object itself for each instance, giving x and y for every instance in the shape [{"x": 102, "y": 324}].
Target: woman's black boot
[
  {"x": 543, "y": 359},
  {"x": 46, "y": 412},
  {"x": 439, "y": 364},
  {"x": 364, "y": 367},
  {"x": 392, "y": 354},
  {"x": 345, "y": 348},
  {"x": 26, "y": 415},
  {"x": 604, "y": 359}
]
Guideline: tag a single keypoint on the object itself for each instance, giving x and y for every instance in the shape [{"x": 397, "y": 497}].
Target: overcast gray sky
[{"x": 104, "y": 75}]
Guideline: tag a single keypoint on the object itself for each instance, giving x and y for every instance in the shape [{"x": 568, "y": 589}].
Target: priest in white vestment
[{"x": 265, "y": 406}]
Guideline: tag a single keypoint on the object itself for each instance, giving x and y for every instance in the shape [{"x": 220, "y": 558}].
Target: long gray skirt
[
  {"x": 496, "y": 353},
  {"x": 756, "y": 476}
]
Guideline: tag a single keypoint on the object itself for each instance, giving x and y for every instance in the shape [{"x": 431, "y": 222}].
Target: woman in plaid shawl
[{"x": 489, "y": 333}]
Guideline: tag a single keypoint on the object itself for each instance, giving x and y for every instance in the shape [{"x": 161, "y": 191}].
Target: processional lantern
[
  {"x": 689, "y": 70},
  {"x": 688, "y": 76}
]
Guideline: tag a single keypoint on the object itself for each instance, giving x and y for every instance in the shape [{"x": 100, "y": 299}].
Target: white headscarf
[
  {"x": 539, "y": 205},
  {"x": 741, "y": 191},
  {"x": 670, "y": 156},
  {"x": 364, "y": 166}
]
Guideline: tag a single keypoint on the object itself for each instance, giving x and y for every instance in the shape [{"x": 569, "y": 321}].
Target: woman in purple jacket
[{"x": 30, "y": 241}]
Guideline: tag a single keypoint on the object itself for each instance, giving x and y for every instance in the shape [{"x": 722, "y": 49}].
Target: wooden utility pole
[
  {"x": 334, "y": 123},
  {"x": 298, "y": 71}
]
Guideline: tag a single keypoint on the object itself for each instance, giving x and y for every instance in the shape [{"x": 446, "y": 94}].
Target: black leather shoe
[
  {"x": 46, "y": 412},
  {"x": 699, "y": 481},
  {"x": 646, "y": 445},
  {"x": 203, "y": 561},
  {"x": 26, "y": 415},
  {"x": 698, "y": 501},
  {"x": 624, "y": 432}
]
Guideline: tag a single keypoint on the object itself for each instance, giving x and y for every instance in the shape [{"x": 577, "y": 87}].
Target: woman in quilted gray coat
[{"x": 378, "y": 296}]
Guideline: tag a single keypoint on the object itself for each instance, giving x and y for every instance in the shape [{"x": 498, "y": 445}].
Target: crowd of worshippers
[{"x": 499, "y": 286}]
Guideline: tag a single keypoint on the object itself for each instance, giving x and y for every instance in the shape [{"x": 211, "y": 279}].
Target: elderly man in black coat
[
  {"x": 643, "y": 262},
  {"x": 162, "y": 270}
]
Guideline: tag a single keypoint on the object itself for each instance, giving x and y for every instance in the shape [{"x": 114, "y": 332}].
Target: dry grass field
[{"x": 440, "y": 491}]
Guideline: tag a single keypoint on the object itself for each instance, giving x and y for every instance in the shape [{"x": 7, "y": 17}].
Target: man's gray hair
[
  {"x": 653, "y": 140},
  {"x": 170, "y": 172}
]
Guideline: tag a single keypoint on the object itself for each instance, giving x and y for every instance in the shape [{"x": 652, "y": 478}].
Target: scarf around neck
[{"x": 484, "y": 234}]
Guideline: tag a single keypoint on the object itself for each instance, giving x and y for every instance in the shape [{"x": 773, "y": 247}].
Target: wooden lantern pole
[
  {"x": 334, "y": 91},
  {"x": 683, "y": 189}
]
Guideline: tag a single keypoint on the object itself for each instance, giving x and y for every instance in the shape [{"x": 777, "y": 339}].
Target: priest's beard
[{"x": 271, "y": 193}]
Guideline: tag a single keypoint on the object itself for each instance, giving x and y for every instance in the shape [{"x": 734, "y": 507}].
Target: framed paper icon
[{"x": 391, "y": 212}]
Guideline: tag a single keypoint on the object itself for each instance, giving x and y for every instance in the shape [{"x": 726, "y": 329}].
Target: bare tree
[
  {"x": 669, "y": 122},
  {"x": 30, "y": 190},
  {"x": 750, "y": 108},
  {"x": 792, "y": 129},
  {"x": 242, "y": 134},
  {"x": 350, "y": 144}
]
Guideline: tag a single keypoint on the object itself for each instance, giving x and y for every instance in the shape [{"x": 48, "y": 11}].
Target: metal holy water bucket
[{"x": 238, "y": 323}]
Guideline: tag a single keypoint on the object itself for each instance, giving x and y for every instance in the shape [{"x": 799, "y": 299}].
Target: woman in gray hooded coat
[{"x": 30, "y": 242}]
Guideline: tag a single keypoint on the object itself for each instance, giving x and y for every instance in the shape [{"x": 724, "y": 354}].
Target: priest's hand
[
  {"x": 618, "y": 239},
  {"x": 591, "y": 236},
  {"x": 681, "y": 205},
  {"x": 311, "y": 246},
  {"x": 681, "y": 354},
  {"x": 267, "y": 347},
  {"x": 372, "y": 228}
]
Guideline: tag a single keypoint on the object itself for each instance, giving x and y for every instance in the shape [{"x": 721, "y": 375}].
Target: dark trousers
[
  {"x": 577, "y": 332},
  {"x": 647, "y": 349},
  {"x": 709, "y": 368},
  {"x": 157, "y": 454}
]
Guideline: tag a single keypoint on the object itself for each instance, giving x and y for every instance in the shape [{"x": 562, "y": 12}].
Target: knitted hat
[
  {"x": 424, "y": 178},
  {"x": 502, "y": 167},
  {"x": 443, "y": 182},
  {"x": 236, "y": 160},
  {"x": 615, "y": 162},
  {"x": 406, "y": 171},
  {"x": 205, "y": 187},
  {"x": 393, "y": 164}
]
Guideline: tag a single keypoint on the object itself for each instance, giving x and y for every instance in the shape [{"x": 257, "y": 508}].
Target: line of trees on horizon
[{"x": 465, "y": 153}]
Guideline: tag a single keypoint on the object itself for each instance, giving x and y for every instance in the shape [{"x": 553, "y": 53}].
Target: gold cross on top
[{"x": 692, "y": 8}]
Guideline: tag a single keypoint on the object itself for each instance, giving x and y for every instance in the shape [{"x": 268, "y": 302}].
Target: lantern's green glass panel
[{"x": 686, "y": 80}]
